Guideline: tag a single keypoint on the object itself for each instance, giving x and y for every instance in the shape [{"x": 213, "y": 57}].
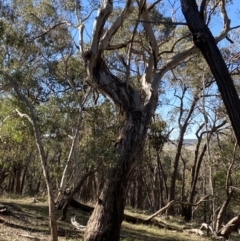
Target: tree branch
[
  {"x": 105, "y": 40},
  {"x": 170, "y": 204},
  {"x": 162, "y": 22},
  {"x": 49, "y": 29},
  {"x": 103, "y": 13},
  {"x": 24, "y": 116}
]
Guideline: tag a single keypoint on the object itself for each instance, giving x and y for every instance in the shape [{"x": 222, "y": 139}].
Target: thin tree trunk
[
  {"x": 139, "y": 194},
  {"x": 220, "y": 215},
  {"x": 162, "y": 180},
  {"x": 23, "y": 178},
  {"x": 43, "y": 157},
  {"x": 229, "y": 192},
  {"x": 183, "y": 128}
]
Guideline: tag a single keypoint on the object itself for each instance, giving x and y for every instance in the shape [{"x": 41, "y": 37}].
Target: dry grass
[{"x": 29, "y": 221}]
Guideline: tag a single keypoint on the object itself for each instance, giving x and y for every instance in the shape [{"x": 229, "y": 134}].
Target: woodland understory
[{"x": 119, "y": 104}]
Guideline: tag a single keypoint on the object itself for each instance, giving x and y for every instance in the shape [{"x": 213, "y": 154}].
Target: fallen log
[
  {"x": 232, "y": 226},
  {"x": 129, "y": 218},
  {"x": 170, "y": 204}
]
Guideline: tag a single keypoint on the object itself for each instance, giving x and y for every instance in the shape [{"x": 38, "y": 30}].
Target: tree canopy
[{"x": 94, "y": 92}]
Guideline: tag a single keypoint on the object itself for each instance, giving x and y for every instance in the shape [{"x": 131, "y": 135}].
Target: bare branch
[
  {"x": 202, "y": 8},
  {"x": 170, "y": 204},
  {"x": 171, "y": 51},
  {"x": 130, "y": 52},
  {"x": 226, "y": 21},
  {"x": 152, "y": 62},
  {"x": 88, "y": 16},
  {"x": 34, "y": 15},
  {"x": 24, "y": 116},
  {"x": 103, "y": 13},
  {"x": 81, "y": 48},
  {"x": 114, "y": 27},
  {"x": 117, "y": 46},
  {"x": 77, "y": 225},
  {"x": 238, "y": 26},
  {"x": 162, "y": 22},
  {"x": 153, "y": 5},
  {"x": 49, "y": 29}
]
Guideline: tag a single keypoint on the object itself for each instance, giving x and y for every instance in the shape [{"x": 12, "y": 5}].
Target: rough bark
[
  {"x": 105, "y": 222},
  {"x": 206, "y": 43}
]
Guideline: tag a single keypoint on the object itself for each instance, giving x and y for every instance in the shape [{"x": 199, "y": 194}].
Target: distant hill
[{"x": 188, "y": 144}]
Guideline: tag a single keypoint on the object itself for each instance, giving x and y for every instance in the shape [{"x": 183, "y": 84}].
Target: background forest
[{"x": 62, "y": 119}]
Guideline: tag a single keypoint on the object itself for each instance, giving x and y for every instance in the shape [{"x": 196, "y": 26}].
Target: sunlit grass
[{"x": 31, "y": 219}]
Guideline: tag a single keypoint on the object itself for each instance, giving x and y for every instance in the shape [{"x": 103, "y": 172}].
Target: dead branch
[
  {"x": 162, "y": 210},
  {"x": 207, "y": 227},
  {"x": 77, "y": 225},
  {"x": 232, "y": 226},
  {"x": 170, "y": 204}
]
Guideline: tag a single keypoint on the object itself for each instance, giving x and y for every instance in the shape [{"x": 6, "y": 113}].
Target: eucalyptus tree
[
  {"x": 137, "y": 103},
  {"x": 16, "y": 147},
  {"x": 30, "y": 54}
]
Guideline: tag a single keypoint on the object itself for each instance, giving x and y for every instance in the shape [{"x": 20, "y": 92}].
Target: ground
[{"x": 27, "y": 219}]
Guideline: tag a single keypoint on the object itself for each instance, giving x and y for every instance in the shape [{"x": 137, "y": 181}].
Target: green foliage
[
  {"x": 219, "y": 178},
  {"x": 2, "y": 29},
  {"x": 157, "y": 133},
  {"x": 100, "y": 130},
  {"x": 236, "y": 178}
]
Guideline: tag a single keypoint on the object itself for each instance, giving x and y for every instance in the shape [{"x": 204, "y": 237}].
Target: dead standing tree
[{"x": 136, "y": 110}]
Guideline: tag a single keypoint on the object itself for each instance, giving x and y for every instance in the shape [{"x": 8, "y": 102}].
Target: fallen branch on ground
[
  {"x": 77, "y": 225},
  {"x": 170, "y": 204}
]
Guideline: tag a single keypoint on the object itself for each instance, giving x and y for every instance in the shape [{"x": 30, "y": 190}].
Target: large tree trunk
[
  {"x": 105, "y": 222},
  {"x": 206, "y": 43},
  {"x": 137, "y": 108}
]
